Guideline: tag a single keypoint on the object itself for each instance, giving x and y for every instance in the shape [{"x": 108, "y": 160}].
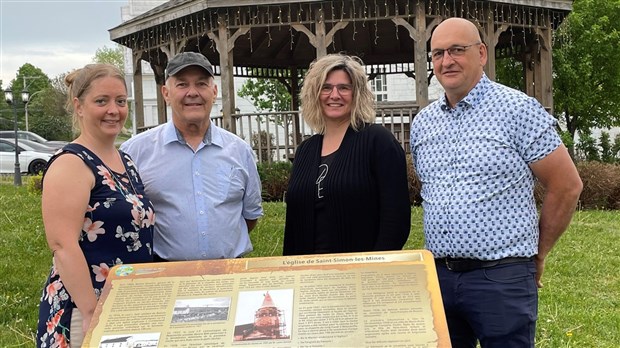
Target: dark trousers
[{"x": 497, "y": 305}]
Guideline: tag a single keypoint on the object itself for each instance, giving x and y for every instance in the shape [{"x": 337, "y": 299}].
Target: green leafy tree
[
  {"x": 6, "y": 115},
  {"x": 48, "y": 114},
  {"x": 615, "y": 148},
  {"x": 586, "y": 147},
  {"x": 110, "y": 55},
  {"x": 266, "y": 94},
  {"x": 55, "y": 122},
  {"x": 28, "y": 78},
  {"x": 509, "y": 72},
  {"x": 586, "y": 67},
  {"x": 604, "y": 143},
  {"x": 58, "y": 83}
]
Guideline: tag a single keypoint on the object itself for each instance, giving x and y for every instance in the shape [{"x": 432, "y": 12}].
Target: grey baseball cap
[{"x": 185, "y": 59}]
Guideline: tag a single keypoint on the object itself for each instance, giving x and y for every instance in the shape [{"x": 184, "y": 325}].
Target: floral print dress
[{"x": 118, "y": 228}]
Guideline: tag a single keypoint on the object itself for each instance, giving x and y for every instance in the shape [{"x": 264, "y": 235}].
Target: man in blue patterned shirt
[{"x": 478, "y": 151}]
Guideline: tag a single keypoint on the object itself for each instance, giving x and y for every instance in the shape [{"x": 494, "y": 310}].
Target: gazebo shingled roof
[{"x": 271, "y": 38}]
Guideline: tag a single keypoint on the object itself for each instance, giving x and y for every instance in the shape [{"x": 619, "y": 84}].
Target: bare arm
[
  {"x": 562, "y": 184},
  {"x": 66, "y": 193},
  {"x": 251, "y": 224}
]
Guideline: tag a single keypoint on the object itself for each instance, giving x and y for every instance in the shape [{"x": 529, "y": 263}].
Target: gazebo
[{"x": 279, "y": 38}]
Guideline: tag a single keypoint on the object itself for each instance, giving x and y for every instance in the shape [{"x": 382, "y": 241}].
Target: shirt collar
[
  {"x": 171, "y": 134},
  {"x": 473, "y": 98}
]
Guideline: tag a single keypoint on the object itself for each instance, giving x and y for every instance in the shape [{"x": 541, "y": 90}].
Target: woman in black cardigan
[{"x": 348, "y": 189}]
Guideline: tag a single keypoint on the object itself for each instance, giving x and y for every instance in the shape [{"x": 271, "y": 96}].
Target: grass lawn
[{"x": 579, "y": 304}]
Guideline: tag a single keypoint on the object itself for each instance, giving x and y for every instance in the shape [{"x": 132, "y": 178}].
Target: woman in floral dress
[{"x": 95, "y": 212}]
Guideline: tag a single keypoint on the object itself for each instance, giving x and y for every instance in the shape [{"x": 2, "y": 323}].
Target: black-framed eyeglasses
[
  {"x": 342, "y": 88},
  {"x": 454, "y": 51}
]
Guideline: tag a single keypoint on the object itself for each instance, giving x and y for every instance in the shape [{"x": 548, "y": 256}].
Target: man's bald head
[
  {"x": 461, "y": 26},
  {"x": 459, "y": 57}
]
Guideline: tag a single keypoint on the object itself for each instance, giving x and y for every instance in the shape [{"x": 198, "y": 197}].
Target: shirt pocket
[{"x": 231, "y": 183}]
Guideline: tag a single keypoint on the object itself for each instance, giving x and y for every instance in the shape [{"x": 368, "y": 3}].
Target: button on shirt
[
  {"x": 473, "y": 162},
  {"x": 201, "y": 197}
]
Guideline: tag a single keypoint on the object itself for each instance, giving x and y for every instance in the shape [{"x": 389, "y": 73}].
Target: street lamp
[
  {"x": 8, "y": 96},
  {"x": 26, "y": 106}
]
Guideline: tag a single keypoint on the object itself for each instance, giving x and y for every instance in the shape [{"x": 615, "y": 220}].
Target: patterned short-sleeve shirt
[{"x": 473, "y": 162}]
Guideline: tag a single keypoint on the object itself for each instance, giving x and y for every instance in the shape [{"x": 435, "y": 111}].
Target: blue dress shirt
[{"x": 201, "y": 197}]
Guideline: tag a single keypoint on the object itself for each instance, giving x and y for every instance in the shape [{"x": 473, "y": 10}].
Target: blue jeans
[{"x": 497, "y": 305}]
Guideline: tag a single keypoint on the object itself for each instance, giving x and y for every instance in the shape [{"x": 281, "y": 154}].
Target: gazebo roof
[{"x": 274, "y": 37}]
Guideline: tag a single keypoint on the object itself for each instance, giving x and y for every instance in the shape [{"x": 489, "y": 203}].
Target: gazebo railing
[{"x": 272, "y": 134}]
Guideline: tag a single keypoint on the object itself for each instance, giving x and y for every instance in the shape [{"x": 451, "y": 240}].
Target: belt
[{"x": 464, "y": 265}]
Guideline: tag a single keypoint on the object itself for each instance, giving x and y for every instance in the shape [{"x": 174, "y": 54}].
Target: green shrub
[
  {"x": 35, "y": 183},
  {"x": 274, "y": 179}
]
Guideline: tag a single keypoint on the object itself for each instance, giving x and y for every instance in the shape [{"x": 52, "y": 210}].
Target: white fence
[{"x": 257, "y": 128}]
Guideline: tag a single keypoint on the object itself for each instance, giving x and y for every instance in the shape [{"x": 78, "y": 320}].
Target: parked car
[
  {"x": 34, "y": 146},
  {"x": 31, "y": 161},
  {"x": 56, "y": 144}
]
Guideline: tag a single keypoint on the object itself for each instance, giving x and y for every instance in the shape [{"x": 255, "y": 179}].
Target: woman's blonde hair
[
  {"x": 363, "y": 101},
  {"x": 79, "y": 81}
]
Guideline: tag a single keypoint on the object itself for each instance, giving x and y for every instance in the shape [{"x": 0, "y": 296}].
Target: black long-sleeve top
[{"x": 366, "y": 200}]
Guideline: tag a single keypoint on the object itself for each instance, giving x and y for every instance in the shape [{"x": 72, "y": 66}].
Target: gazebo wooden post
[
  {"x": 528, "y": 73},
  {"x": 420, "y": 34},
  {"x": 225, "y": 43},
  {"x": 138, "y": 92},
  {"x": 488, "y": 37},
  {"x": 159, "y": 72},
  {"x": 172, "y": 49},
  {"x": 295, "y": 105},
  {"x": 545, "y": 71}
]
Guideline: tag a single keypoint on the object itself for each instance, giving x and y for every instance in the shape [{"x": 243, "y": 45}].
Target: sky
[{"x": 56, "y": 36}]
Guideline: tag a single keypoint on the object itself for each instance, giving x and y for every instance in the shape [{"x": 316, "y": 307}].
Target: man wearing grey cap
[{"x": 201, "y": 178}]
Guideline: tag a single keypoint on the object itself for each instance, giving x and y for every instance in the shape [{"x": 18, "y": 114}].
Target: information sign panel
[{"x": 374, "y": 299}]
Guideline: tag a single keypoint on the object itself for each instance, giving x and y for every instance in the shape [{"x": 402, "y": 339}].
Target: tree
[
  {"x": 28, "y": 78},
  {"x": 266, "y": 94},
  {"x": 54, "y": 122},
  {"x": 604, "y": 143},
  {"x": 586, "y": 67},
  {"x": 110, "y": 55},
  {"x": 586, "y": 148},
  {"x": 509, "y": 72},
  {"x": 615, "y": 148}
]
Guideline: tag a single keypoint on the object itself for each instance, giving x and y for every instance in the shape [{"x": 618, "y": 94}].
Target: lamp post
[
  {"x": 26, "y": 107},
  {"x": 8, "y": 96}
]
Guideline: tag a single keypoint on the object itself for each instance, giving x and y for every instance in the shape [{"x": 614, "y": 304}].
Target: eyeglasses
[
  {"x": 454, "y": 51},
  {"x": 342, "y": 88}
]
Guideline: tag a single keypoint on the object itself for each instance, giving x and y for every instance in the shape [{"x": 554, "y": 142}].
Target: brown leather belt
[{"x": 464, "y": 265}]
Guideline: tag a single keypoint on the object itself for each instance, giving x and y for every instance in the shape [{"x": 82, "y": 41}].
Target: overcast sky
[{"x": 56, "y": 36}]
